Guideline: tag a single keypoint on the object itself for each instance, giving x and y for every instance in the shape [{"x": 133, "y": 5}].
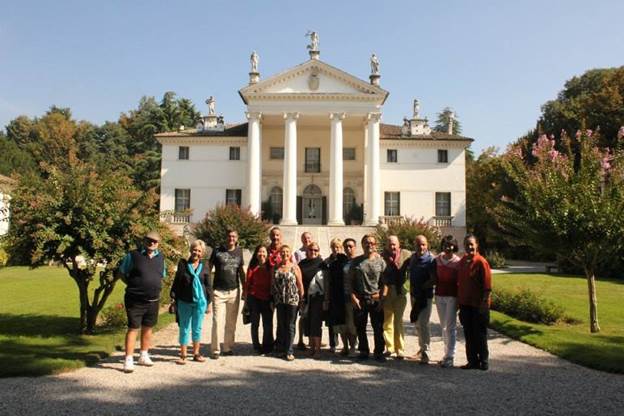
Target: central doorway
[{"x": 312, "y": 204}]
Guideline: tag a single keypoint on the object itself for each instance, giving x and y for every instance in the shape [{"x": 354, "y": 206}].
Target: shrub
[
  {"x": 496, "y": 259},
  {"x": 4, "y": 257},
  {"x": 213, "y": 228},
  {"x": 113, "y": 316},
  {"x": 407, "y": 230},
  {"x": 528, "y": 306}
]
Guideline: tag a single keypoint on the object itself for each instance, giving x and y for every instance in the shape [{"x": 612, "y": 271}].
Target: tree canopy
[{"x": 443, "y": 121}]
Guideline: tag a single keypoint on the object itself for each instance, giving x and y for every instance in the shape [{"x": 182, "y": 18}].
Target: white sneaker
[
  {"x": 128, "y": 364},
  {"x": 145, "y": 360}
]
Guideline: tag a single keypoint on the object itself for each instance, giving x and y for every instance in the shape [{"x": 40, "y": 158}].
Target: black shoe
[
  {"x": 363, "y": 356},
  {"x": 469, "y": 366},
  {"x": 227, "y": 353},
  {"x": 301, "y": 346},
  {"x": 484, "y": 366},
  {"x": 380, "y": 358}
]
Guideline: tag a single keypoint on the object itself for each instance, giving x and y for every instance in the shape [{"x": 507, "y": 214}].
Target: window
[
  {"x": 234, "y": 153},
  {"x": 392, "y": 203},
  {"x": 313, "y": 159},
  {"x": 348, "y": 201},
  {"x": 183, "y": 153},
  {"x": 348, "y": 153},
  {"x": 392, "y": 156},
  {"x": 277, "y": 153},
  {"x": 443, "y": 204},
  {"x": 233, "y": 197},
  {"x": 182, "y": 200},
  {"x": 442, "y": 156},
  {"x": 275, "y": 199}
]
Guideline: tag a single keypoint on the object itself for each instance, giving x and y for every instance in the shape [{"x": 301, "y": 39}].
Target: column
[
  {"x": 254, "y": 158},
  {"x": 336, "y": 171},
  {"x": 373, "y": 180},
  {"x": 289, "y": 203}
]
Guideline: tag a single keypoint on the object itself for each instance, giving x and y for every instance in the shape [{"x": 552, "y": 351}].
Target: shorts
[{"x": 141, "y": 312}]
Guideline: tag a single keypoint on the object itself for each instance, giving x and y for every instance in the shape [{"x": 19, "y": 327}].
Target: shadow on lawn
[{"x": 42, "y": 344}]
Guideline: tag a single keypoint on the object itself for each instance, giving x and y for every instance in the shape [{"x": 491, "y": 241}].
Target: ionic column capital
[
  {"x": 374, "y": 117},
  {"x": 291, "y": 116},
  {"x": 337, "y": 116},
  {"x": 253, "y": 115}
]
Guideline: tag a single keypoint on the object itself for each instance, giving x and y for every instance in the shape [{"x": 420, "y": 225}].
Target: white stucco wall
[
  {"x": 417, "y": 175},
  {"x": 207, "y": 173}
]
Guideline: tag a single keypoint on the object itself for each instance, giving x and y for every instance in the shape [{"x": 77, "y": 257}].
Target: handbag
[{"x": 246, "y": 314}]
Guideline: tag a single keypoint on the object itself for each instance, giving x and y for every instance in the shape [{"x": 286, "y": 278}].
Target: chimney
[{"x": 450, "y": 124}]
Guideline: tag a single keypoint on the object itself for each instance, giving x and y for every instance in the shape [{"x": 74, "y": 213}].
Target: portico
[{"x": 323, "y": 101}]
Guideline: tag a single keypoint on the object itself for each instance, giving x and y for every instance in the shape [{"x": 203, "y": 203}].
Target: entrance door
[{"x": 312, "y": 202}]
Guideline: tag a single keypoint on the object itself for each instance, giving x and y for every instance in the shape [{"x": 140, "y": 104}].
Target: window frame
[
  {"x": 234, "y": 152},
  {"x": 439, "y": 204},
  {"x": 443, "y": 156},
  {"x": 313, "y": 166},
  {"x": 392, "y": 154},
  {"x": 238, "y": 193},
  {"x": 181, "y": 153},
  {"x": 178, "y": 197},
  {"x": 388, "y": 203},
  {"x": 276, "y": 153},
  {"x": 344, "y": 153}
]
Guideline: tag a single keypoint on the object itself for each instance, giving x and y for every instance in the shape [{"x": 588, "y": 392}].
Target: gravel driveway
[{"x": 521, "y": 380}]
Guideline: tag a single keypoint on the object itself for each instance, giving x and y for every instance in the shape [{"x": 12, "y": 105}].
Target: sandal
[
  {"x": 181, "y": 360},
  {"x": 199, "y": 358}
]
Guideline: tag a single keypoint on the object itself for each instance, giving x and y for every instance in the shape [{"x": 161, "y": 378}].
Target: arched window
[{"x": 275, "y": 197}]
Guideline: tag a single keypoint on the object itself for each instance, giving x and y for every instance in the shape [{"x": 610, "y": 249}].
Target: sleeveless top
[{"x": 284, "y": 288}]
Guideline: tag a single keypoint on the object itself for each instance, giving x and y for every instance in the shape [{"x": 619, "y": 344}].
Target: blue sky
[{"x": 494, "y": 62}]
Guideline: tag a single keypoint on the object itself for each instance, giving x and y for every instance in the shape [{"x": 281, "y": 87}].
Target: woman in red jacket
[
  {"x": 474, "y": 285},
  {"x": 257, "y": 292}
]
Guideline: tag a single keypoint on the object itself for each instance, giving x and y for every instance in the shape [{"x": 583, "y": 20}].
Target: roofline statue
[
  {"x": 374, "y": 63},
  {"x": 314, "y": 41},
  {"x": 254, "y": 59}
]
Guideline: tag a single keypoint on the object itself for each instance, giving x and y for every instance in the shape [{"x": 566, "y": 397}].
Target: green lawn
[
  {"x": 602, "y": 351},
  {"x": 39, "y": 321}
]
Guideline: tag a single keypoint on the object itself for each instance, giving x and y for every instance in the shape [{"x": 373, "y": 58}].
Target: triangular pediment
[{"x": 313, "y": 77}]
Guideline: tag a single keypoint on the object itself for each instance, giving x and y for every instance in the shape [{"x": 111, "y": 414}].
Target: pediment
[{"x": 313, "y": 78}]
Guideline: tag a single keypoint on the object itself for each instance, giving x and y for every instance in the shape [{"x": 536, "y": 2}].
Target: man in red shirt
[
  {"x": 275, "y": 235},
  {"x": 474, "y": 285}
]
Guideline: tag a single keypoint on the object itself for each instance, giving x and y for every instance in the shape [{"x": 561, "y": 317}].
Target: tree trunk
[
  {"x": 593, "y": 301},
  {"x": 92, "y": 314},
  {"x": 84, "y": 303}
]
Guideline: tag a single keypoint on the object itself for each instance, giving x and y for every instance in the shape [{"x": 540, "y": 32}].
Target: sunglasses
[{"x": 151, "y": 241}]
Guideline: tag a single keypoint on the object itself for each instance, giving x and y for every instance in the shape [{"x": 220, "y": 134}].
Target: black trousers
[
  {"x": 261, "y": 308},
  {"x": 286, "y": 317},
  {"x": 475, "y": 323},
  {"x": 361, "y": 320}
]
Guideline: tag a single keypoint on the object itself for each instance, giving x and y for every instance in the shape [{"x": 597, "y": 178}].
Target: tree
[
  {"x": 84, "y": 219},
  {"x": 568, "y": 203},
  {"x": 444, "y": 120},
  {"x": 595, "y": 100},
  {"x": 147, "y": 120},
  {"x": 486, "y": 183},
  {"x": 14, "y": 159},
  {"x": 214, "y": 227}
]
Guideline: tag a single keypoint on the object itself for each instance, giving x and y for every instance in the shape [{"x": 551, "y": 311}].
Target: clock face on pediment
[{"x": 313, "y": 78}]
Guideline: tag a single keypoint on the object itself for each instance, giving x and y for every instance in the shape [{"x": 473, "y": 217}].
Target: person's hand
[{"x": 356, "y": 302}]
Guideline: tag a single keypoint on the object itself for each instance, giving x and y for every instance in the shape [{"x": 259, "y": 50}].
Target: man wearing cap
[{"x": 142, "y": 271}]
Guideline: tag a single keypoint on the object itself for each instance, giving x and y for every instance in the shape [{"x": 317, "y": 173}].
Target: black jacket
[{"x": 182, "y": 288}]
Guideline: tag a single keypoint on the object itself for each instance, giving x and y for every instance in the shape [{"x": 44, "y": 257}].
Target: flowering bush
[
  {"x": 213, "y": 228},
  {"x": 113, "y": 316},
  {"x": 407, "y": 230}
]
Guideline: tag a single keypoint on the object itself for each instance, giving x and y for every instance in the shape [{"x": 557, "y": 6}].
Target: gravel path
[{"x": 522, "y": 380}]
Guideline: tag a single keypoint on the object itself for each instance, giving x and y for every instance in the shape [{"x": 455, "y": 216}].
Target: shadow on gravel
[{"x": 511, "y": 387}]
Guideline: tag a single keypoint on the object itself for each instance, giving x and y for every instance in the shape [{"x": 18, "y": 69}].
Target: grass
[
  {"x": 602, "y": 351},
  {"x": 39, "y": 324}
]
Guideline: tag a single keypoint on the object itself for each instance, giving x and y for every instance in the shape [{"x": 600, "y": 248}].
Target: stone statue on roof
[
  {"x": 314, "y": 41},
  {"x": 211, "y": 105},
  {"x": 374, "y": 63},
  {"x": 416, "y": 108},
  {"x": 254, "y": 61}
]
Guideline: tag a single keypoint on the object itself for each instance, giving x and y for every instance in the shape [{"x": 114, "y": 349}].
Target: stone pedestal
[
  {"x": 374, "y": 79},
  {"x": 254, "y": 77}
]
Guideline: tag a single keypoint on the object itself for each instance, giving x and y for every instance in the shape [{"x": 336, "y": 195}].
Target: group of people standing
[{"x": 342, "y": 291}]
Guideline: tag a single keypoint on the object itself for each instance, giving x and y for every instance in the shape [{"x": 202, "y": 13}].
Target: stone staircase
[{"x": 291, "y": 235}]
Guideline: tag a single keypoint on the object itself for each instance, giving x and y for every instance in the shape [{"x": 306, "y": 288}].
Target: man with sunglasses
[{"x": 142, "y": 270}]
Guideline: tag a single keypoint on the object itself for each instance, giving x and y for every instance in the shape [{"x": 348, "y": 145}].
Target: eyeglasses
[
  {"x": 370, "y": 243},
  {"x": 313, "y": 250},
  {"x": 349, "y": 246},
  {"x": 150, "y": 241}
]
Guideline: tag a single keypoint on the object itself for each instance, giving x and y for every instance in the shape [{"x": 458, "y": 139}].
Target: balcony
[
  {"x": 175, "y": 217},
  {"x": 441, "y": 221},
  {"x": 391, "y": 219}
]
